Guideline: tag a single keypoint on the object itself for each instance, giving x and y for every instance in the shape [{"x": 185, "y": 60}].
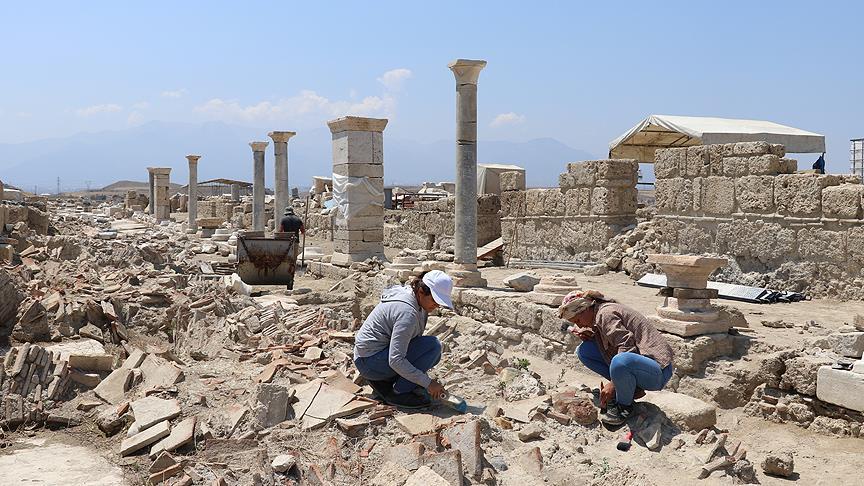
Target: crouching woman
[
  {"x": 390, "y": 350},
  {"x": 621, "y": 345}
]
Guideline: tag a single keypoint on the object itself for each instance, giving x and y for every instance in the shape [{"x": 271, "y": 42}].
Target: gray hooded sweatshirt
[{"x": 393, "y": 324}]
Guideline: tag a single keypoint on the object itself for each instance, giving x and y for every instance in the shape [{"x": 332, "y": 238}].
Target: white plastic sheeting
[
  {"x": 489, "y": 177},
  {"x": 354, "y": 194},
  {"x": 667, "y": 131}
]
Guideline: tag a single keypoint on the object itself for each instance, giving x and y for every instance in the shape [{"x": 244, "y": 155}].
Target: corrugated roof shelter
[
  {"x": 489, "y": 177},
  {"x": 667, "y": 131}
]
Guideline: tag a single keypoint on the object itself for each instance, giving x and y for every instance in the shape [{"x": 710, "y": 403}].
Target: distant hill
[
  {"x": 97, "y": 159},
  {"x": 123, "y": 186}
]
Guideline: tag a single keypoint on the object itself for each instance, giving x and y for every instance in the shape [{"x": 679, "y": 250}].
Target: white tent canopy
[{"x": 666, "y": 131}]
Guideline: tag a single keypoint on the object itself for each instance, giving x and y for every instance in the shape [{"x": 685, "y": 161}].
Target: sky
[{"x": 579, "y": 72}]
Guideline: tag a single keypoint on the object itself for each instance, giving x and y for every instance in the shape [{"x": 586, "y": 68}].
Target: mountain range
[{"x": 98, "y": 159}]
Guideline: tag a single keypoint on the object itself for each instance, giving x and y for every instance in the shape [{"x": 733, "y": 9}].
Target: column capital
[
  {"x": 259, "y": 146},
  {"x": 281, "y": 136},
  {"x": 160, "y": 170},
  {"x": 467, "y": 71},
  {"x": 357, "y": 123},
  {"x": 193, "y": 159}
]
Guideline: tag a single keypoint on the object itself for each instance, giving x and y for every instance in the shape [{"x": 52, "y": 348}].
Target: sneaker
[
  {"x": 639, "y": 393},
  {"x": 382, "y": 388},
  {"x": 616, "y": 414},
  {"x": 407, "y": 400}
]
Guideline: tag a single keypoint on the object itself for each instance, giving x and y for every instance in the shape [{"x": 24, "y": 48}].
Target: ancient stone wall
[
  {"x": 430, "y": 225},
  {"x": 596, "y": 201},
  {"x": 798, "y": 231}
]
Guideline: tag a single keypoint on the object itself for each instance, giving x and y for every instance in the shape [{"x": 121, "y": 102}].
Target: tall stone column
[
  {"x": 235, "y": 192},
  {"x": 464, "y": 269},
  {"x": 258, "y": 149},
  {"x": 152, "y": 194},
  {"x": 280, "y": 149},
  {"x": 161, "y": 190},
  {"x": 192, "y": 225},
  {"x": 358, "y": 184}
]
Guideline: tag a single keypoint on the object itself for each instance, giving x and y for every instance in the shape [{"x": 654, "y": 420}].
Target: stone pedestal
[
  {"x": 358, "y": 189},
  {"x": 192, "y": 201},
  {"x": 258, "y": 217},
  {"x": 840, "y": 387},
  {"x": 402, "y": 268},
  {"x": 281, "y": 192},
  {"x": 235, "y": 192},
  {"x": 552, "y": 289},
  {"x": 464, "y": 268},
  {"x": 161, "y": 193},
  {"x": 688, "y": 311},
  {"x": 152, "y": 192}
]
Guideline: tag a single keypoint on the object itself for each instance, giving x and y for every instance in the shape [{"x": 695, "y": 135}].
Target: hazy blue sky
[{"x": 579, "y": 72}]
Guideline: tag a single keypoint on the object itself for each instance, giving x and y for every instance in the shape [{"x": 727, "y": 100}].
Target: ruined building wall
[
  {"x": 430, "y": 225},
  {"x": 596, "y": 201},
  {"x": 801, "y": 232}
]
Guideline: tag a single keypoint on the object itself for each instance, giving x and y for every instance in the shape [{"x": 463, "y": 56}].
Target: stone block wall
[
  {"x": 800, "y": 232},
  {"x": 596, "y": 201},
  {"x": 430, "y": 225}
]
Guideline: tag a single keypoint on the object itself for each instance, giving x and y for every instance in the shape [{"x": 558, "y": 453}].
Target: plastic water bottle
[{"x": 455, "y": 402}]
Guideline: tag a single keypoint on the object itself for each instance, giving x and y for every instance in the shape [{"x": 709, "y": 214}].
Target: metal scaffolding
[{"x": 856, "y": 157}]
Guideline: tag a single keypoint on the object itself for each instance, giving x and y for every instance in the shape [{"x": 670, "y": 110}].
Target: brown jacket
[{"x": 620, "y": 329}]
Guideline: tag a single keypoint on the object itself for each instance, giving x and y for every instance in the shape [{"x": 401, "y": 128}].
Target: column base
[
  {"x": 191, "y": 231},
  {"x": 466, "y": 275}
]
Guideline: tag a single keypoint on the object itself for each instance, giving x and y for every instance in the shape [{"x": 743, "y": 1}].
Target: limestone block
[
  {"x": 611, "y": 200},
  {"x": 578, "y": 201},
  {"x": 848, "y": 344},
  {"x": 697, "y": 163},
  {"x": 359, "y": 170},
  {"x": 512, "y": 180},
  {"x": 777, "y": 149},
  {"x": 788, "y": 166},
  {"x": 615, "y": 168},
  {"x": 840, "y": 387},
  {"x": 755, "y": 194},
  {"x": 843, "y": 201},
  {"x": 360, "y": 222},
  {"x": 855, "y": 243},
  {"x": 689, "y": 328},
  {"x": 751, "y": 148},
  {"x": 801, "y": 194},
  {"x": 581, "y": 174},
  {"x": 668, "y": 163},
  {"x": 817, "y": 244},
  {"x": 513, "y": 203},
  {"x": 800, "y": 374},
  {"x": 507, "y": 311},
  {"x": 354, "y": 147},
  {"x": 686, "y": 412},
  {"x": 718, "y": 195},
  {"x": 765, "y": 242},
  {"x": 544, "y": 202},
  {"x": 674, "y": 195}
]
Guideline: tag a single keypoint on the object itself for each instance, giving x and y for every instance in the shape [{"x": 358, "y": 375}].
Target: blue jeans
[
  {"x": 627, "y": 371},
  {"x": 424, "y": 352}
]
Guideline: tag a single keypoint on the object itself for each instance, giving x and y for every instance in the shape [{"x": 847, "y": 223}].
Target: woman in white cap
[
  {"x": 390, "y": 350},
  {"x": 621, "y": 345}
]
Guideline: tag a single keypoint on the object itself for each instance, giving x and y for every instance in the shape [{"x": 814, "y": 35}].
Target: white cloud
[
  {"x": 393, "y": 79},
  {"x": 306, "y": 104},
  {"x": 98, "y": 109},
  {"x": 176, "y": 93},
  {"x": 507, "y": 119},
  {"x": 141, "y": 105}
]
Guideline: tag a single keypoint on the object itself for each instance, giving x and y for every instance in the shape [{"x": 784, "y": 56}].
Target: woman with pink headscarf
[{"x": 621, "y": 345}]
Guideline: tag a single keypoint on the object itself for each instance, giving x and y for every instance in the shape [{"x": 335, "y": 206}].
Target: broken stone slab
[
  {"x": 406, "y": 456},
  {"x": 181, "y": 434},
  {"x": 167, "y": 473},
  {"x": 418, "y": 423},
  {"x": 84, "y": 354},
  {"x": 850, "y": 344},
  {"x": 159, "y": 373},
  {"x": 145, "y": 438},
  {"x": 530, "y": 432},
  {"x": 782, "y": 464},
  {"x": 521, "y": 282},
  {"x": 162, "y": 462},
  {"x": 465, "y": 438},
  {"x": 271, "y": 406},
  {"x": 352, "y": 427},
  {"x": 447, "y": 464},
  {"x": 151, "y": 410},
  {"x": 840, "y": 387},
  {"x": 686, "y": 412},
  {"x": 522, "y": 410},
  {"x": 425, "y": 476},
  {"x": 390, "y": 474},
  {"x": 283, "y": 463},
  {"x": 113, "y": 388}
]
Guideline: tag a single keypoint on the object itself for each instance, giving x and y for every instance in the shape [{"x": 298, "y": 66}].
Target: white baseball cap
[{"x": 441, "y": 285}]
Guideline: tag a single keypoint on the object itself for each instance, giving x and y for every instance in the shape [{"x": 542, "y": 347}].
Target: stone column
[
  {"x": 161, "y": 189},
  {"x": 464, "y": 269},
  {"x": 358, "y": 153},
  {"x": 152, "y": 191},
  {"x": 192, "y": 225},
  {"x": 258, "y": 185},
  {"x": 280, "y": 149},
  {"x": 235, "y": 192}
]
